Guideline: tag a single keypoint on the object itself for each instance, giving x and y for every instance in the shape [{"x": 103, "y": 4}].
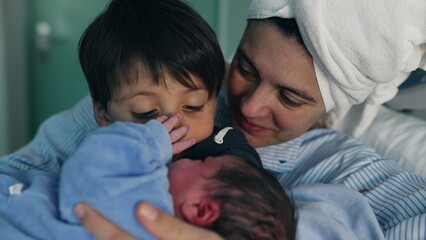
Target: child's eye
[
  {"x": 146, "y": 115},
  {"x": 194, "y": 108},
  {"x": 288, "y": 100}
]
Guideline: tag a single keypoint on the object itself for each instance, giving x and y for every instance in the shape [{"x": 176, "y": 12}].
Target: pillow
[{"x": 399, "y": 137}]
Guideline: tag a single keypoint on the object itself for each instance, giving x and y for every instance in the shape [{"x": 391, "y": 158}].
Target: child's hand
[{"x": 176, "y": 134}]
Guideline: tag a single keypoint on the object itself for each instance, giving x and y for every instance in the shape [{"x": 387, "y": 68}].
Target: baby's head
[
  {"x": 229, "y": 191},
  {"x": 147, "y": 58}
]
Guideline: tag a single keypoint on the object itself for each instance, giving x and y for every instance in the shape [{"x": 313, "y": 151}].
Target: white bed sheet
[{"x": 399, "y": 137}]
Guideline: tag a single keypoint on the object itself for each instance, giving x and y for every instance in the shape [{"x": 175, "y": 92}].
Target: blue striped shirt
[{"x": 397, "y": 197}]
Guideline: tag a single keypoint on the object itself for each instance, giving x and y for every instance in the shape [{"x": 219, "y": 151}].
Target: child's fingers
[
  {"x": 179, "y": 147},
  {"x": 178, "y": 133},
  {"x": 161, "y": 119},
  {"x": 171, "y": 122}
]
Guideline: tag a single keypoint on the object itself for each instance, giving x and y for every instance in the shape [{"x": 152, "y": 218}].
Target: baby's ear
[
  {"x": 202, "y": 212},
  {"x": 101, "y": 115}
]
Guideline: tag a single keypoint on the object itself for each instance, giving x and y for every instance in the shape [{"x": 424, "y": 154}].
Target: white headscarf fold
[{"x": 362, "y": 50}]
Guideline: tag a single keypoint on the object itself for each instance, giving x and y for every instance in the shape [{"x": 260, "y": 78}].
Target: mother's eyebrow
[{"x": 242, "y": 54}]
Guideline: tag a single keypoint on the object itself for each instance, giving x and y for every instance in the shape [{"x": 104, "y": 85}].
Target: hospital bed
[{"x": 399, "y": 130}]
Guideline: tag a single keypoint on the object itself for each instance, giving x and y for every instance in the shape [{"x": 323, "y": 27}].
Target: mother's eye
[
  {"x": 289, "y": 100},
  {"x": 245, "y": 71},
  {"x": 146, "y": 115}
]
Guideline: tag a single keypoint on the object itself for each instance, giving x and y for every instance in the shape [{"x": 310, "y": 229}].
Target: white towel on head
[{"x": 362, "y": 50}]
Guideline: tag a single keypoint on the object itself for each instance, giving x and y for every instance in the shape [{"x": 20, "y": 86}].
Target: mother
[{"x": 287, "y": 79}]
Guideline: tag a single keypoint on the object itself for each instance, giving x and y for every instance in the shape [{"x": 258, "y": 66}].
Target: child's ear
[
  {"x": 101, "y": 115},
  {"x": 202, "y": 212}
]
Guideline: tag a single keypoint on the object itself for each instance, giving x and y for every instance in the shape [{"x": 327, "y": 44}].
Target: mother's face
[{"x": 273, "y": 90}]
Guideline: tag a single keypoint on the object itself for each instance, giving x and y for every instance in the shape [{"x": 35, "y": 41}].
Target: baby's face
[
  {"x": 189, "y": 178},
  {"x": 145, "y": 100}
]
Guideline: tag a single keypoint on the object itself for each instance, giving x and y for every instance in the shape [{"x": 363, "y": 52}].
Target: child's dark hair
[
  {"x": 160, "y": 35},
  {"x": 253, "y": 204}
]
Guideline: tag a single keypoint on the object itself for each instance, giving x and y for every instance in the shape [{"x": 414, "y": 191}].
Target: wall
[
  {"x": 4, "y": 133},
  {"x": 55, "y": 80},
  {"x": 228, "y": 20},
  {"x": 16, "y": 72},
  {"x": 231, "y": 23},
  {"x": 207, "y": 9}
]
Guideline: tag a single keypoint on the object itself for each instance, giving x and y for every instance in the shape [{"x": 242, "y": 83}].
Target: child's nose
[{"x": 171, "y": 114}]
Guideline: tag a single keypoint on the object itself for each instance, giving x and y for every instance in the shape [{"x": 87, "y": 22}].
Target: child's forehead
[
  {"x": 165, "y": 81},
  {"x": 160, "y": 91},
  {"x": 229, "y": 161},
  {"x": 158, "y": 75},
  {"x": 143, "y": 80},
  {"x": 213, "y": 165}
]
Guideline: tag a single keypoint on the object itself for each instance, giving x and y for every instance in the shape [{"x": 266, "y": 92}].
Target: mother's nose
[{"x": 256, "y": 103}]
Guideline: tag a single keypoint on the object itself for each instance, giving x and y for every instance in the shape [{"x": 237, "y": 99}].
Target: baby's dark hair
[
  {"x": 253, "y": 204},
  {"x": 166, "y": 35}
]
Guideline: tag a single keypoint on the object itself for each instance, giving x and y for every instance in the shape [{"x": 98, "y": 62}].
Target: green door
[{"x": 56, "y": 81}]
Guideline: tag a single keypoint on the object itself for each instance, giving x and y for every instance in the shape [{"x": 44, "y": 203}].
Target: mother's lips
[{"x": 251, "y": 127}]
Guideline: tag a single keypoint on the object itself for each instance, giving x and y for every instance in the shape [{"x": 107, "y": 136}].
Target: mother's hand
[{"x": 158, "y": 223}]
